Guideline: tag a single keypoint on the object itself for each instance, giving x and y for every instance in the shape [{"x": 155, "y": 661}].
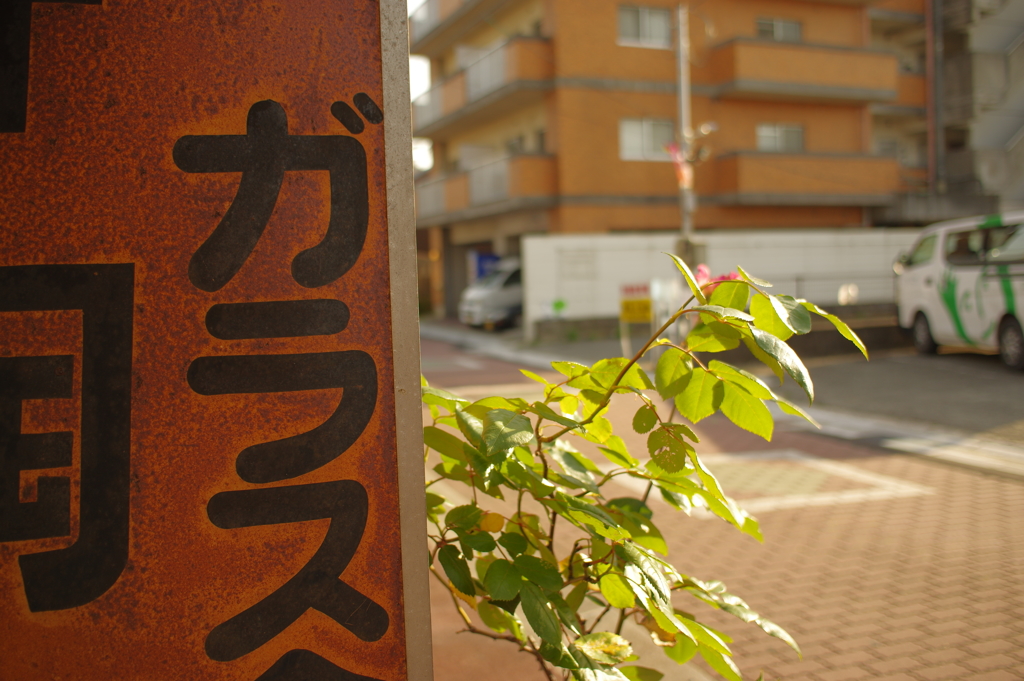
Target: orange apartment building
[{"x": 552, "y": 116}]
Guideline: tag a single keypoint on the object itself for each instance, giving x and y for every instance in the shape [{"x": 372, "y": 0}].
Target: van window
[
  {"x": 514, "y": 279},
  {"x": 923, "y": 251},
  {"x": 1006, "y": 244},
  {"x": 965, "y": 248}
]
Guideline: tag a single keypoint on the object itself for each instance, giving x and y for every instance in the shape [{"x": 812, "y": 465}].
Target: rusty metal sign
[{"x": 208, "y": 352}]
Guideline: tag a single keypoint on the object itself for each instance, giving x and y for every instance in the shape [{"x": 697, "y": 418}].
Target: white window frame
[
  {"x": 644, "y": 18},
  {"x": 771, "y": 137},
  {"x": 648, "y": 151},
  {"x": 779, "y": 29}
]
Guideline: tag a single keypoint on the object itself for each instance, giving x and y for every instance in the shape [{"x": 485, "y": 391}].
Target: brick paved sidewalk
[{"x": 924, "y": 587}]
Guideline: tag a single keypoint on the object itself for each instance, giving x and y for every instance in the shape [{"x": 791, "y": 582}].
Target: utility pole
[{"x": 688, "y": 250}]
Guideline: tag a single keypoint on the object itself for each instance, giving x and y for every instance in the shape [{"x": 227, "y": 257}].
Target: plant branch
[{"x": 615, "y": 384}]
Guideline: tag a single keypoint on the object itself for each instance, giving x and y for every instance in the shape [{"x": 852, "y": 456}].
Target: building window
[
  {"x": 645, "y": 27},
  {"x": 780, "y": 137},
  {"x": 782, "y": 30},
  {"x": 645, "y": 139}
]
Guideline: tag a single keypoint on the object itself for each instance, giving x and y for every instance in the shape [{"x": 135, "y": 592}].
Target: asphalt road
[{"x": 968, "y": 392}]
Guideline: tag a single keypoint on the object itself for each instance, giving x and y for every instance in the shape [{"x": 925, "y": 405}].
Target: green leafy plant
[{"x": 531, "y": 590}]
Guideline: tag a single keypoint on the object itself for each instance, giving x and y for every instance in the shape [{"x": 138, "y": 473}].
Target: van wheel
[
  {"x": 923, "y": 341},
  {"x": 1011, "y": 343}
]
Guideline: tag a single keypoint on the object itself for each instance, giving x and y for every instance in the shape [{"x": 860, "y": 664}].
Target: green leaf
[
  {"x": 732, "y": 294},
  {"x": 565, "y": 613},
  {"x": 721, "y": 663},
  {"x": 746, "y": 380},
  {"x": 752, "y": 279},
  {"x": 683, "y": 650},
  {"x": 720, "y": 312},
  {"x": 691, "y": 281},
  {"x": 766, "y": 316},
  {"x": 791, "y": 408},
  {"x": 575, "y": 471},
  {"x": 598, "y": 430},
  {"x": 513, "y": 543},
  {"x": 464, "y": 517},
  {"x": 570, "y": 369},
  {"x": 477, "y": 541},
  {"x": 746, "y": 411},
  {"x": 713, "y": 337},
  {"x": 764, "y": 357},
  {"x": 494, "y": 617},
  {"x": 543, "y": 574},
  {"x": 604, "y": 647},
  {"x": 673, "y": 372},
  {"x": 539, "y": 615},
  {"x": 606, "y": 370},
  {"x": 615, "y": 451},
  {"x": 796, "y": 316},
  {"x": 645, "y": 419},
  {"x": 840, "y": 325},
  {"x": 504, "y": 430},
  {"x": 544, "y": 411},
  {"x": 442, "y": 398},
  {"x": 682, "y": 430},
  {"x": 558, "y": 655},
  {"x": 444, "y": 442},
  {"x": 702, "y": 396},
  {"x": 471, "y": 427},
  {"x": 786, "y": 358},
  {"x": 575, "y": 598},
  {"x": 503, "y": 580},
  {"x": 616, "y": 591},
  {"x": 634, "y": 673},
  {"x": 457, "y": 569},
  {"x": 775, "y": 630},
  {"x": 435, "y": 504},
  {"x": 534, "y": 377},
  {"x": 667, "y": 450}
]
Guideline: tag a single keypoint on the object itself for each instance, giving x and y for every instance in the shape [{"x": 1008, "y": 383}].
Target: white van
[
  {"x": 962, "y": 284},
  {"x": 495, "y": 300}
]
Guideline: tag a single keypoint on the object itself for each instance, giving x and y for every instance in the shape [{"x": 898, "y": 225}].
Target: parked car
[
  {"x": 962, "y": 283},
  {"x": 494, "y": 300}
]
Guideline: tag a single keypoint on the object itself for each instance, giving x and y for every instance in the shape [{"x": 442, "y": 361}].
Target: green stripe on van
[{"x": 991, "y": 221}]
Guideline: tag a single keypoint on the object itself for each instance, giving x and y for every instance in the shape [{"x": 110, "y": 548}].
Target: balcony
[
  {"x": 436, "y": 25},
  {"x": 512, "y": 75},
  {"x": 911, "y": 97},
  {"x": 521, "y": 182},
  {"x": 428, "y": 15},
  {"x": 766, "y": 179},
  {"x": 749, "y": 68}
]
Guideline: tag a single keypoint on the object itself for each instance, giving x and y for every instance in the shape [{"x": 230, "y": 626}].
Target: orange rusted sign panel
[{"x": 198, "y": 467}]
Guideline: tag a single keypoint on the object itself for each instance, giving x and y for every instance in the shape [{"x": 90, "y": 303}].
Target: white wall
[{"x": 586, "y": 271}]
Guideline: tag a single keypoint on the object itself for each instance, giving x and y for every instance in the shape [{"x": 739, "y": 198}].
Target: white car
[
  {"x": 962, "y": 284},
  {"x": 495, "y": 300}
]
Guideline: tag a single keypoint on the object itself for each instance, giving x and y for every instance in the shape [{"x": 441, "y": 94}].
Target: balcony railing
[
  {"x": 803, "y": 179},
  {"x": 524, "y": 176},
  {"x": 486, "y": 74},
  {"x": 745, "y": 67},
  {"x": 430, "y": 197},
  {"x": 489, "y": 183},
  {"x": 522, "y": 59},
  {"x": 428, "y": 15}
]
